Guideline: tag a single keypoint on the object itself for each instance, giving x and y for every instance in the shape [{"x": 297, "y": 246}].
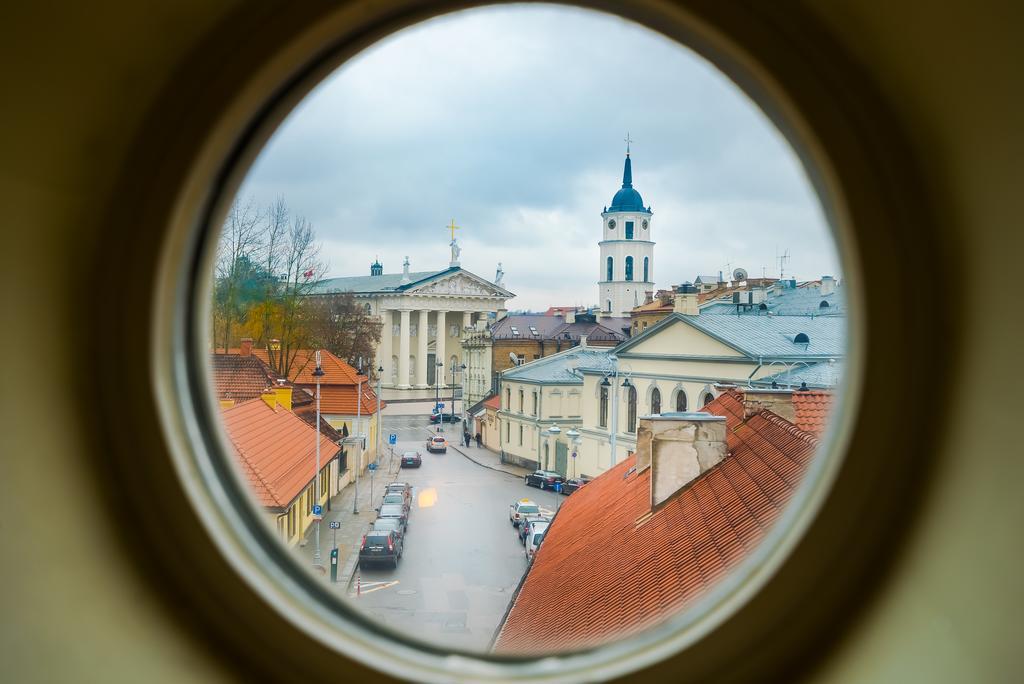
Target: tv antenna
[{"x": 783, "y": 259}]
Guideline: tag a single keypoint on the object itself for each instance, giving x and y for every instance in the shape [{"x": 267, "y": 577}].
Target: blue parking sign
[
  {"x": 317, "y": 509},
  {"x": 393, "y": 438}
]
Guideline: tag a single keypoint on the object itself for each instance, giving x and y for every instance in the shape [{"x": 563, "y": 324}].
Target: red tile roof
[
  {"x": 239, "y": 377},
  {"x": 493, "y": 402},
  {"x": 276, "y": 449},
  {"x": 603, "y": 573},
  {"x": 812, "y": 410}
]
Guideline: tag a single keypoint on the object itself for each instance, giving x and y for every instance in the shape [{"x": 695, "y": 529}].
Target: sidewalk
[
  {"x": 353, "y": 525},
  {"x": 483, "y": 456}
]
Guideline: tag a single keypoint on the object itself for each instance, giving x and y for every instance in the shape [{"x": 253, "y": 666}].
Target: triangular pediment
[{"x": 459, "y": 283}]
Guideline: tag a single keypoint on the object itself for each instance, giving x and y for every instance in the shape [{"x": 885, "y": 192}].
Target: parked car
[
  {"x": 521, "y": 508},
  {"x": 445, "y": 418},
  {"x": 380, "y": 547},
  {"x": 403, "y": 488},
  {"x": 528, "y": 523},
  {"x": 573, "y": 484},
  {"x": 545, "y": 479},
  {"x": 396, "y": 498},
  {"x": 534, "y": 539},
  {"x": 411, "y": 459},
  {"x": 437, "y": 444},
  {"x": 388, "y": 525},
  {"x": 395, "y": 511}
]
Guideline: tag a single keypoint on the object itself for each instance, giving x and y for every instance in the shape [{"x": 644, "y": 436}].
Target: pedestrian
[
  {"x": 479, "y": 441},
  {"x": 465, "y": 437}
]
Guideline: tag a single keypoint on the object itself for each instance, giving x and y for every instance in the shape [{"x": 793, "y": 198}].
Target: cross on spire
[
  {"x": 628, "y": 140},
  {"x": 453, "y": 228}
]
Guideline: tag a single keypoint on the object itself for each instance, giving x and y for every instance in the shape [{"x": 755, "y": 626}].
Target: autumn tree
[{"x": 343, "y": 326}]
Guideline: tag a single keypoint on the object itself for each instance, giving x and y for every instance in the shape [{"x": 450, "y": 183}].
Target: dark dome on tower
[{"x": 627, "y": 198}]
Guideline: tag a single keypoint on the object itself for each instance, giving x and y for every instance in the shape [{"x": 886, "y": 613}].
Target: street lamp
[
  {"x": 359, "y": 443},
  {"x": 613, "y": 387},
  {"x": 318, "y": 373},
  {"x": 574, "y": 435},
  {"x": 438, "y": 376},
  {"x": 462, "y": 368},
  {"x": 376, "y": 453}
]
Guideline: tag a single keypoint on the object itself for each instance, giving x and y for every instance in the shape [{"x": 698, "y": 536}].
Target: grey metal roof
[
  {"x": 797, "y": 301},
  {"x": 773, "y": 336},
  {"x": 817, "y": 375},
  {"x": 557, "y": 368},
  {"x": 551, "y": 328},
  {"x": 389, "y": 282}
]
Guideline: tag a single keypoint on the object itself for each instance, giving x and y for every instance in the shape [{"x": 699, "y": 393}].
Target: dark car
[
  {"x": 411, "y": 459},
  {"x": 573, "y": 484},
  {"x": 545, "y": 479},
  {"x": 396, "y": 498},
  {"x": 380, "y": 547},
  {"x": 445, "y": 418},
  {"x": 388, "y": 525},
  {"x": 395, "y": 511}
]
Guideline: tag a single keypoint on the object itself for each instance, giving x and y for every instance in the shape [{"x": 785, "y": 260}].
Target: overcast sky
[{"x": 511, "y": 121}]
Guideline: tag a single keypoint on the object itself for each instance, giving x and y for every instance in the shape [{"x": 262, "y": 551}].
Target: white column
[
  {"x": 467, "y": 319},
  {"x": 403, "y": 350},
  {"x": 421, "y": 349},
  {"x": 384, "y": 347},
  {"x": 442, "y": 336}
]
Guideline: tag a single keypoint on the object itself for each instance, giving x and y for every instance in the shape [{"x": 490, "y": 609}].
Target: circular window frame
[{"x": 857, "y": 161}]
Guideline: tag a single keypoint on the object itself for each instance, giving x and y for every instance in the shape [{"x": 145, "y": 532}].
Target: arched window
[
  {"x": 629, "y": 268},
  {"x": 609, "y": 306},
  {"x": 801, "y": 338},
  {"x": 708, "y": 398},
  {"x": 545, "y": 456},
  {"x": 631, "y": 409},
  {"x": 823, "y": 305},
  {"x": 681, "y": 401},
  {"x": 656, "y": 401},
  {"x": 610, "y": 275},
  {"x": 603, "y": 417},
  {"x": 647, "y": 269},
  {"x": 629, "y": 230}
]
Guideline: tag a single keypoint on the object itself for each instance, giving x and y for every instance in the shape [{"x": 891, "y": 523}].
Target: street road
[{"x": 462, "y": 559}]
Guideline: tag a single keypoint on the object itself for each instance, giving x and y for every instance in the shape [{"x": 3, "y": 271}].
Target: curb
[{"x": 479, "y": 463}]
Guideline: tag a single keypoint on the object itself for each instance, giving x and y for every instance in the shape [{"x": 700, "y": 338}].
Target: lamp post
[
  {"x": 438, "y": 376},
  {"x": 462, "y": 368},
  {"x": 359, "y": 442},
  {"x": 318, "y": 373},
  {"x": 574, "y": 435},
  {"x": 613, "y": 387},
  {"x": 376, "y": 453}
]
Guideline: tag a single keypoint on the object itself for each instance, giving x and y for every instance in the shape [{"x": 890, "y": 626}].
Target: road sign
[
  {"x": 372, "y": 466},
  {"x": 317, "y": 509},
  {"x": 334, "y": 525},
  {"x": 393, "y": 438},
  {"x": 440, "y": 405}
]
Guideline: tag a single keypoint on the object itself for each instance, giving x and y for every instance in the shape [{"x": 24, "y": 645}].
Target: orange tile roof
[
  {"x": 493, "y": 402},
  {"x": 337, "y": 386},
  {"x": 239, "y": 377},
  {"x": 276, "y": 449},
  {"x": 812, "y": 410},
  {"x": 601, "y": 575}
]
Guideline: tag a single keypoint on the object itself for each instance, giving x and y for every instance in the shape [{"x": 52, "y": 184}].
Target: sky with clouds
[{"x": 511, "y": 121}]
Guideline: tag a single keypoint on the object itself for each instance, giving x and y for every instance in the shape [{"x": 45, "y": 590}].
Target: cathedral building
[
  {"x": 627, "y": 250},
  {"x": 424, "y": 315}
]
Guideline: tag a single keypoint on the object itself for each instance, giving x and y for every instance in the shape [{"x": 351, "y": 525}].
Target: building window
[
  {"x": 520, "y": 435},
  {"x": 508, "y": 433},
  {"x": 629, "y": 230},
  {"x": 508, "y": 399},
  {"x": 708, "y": 398},
  {"x": 610, "y": 274},
  {"x": 647, "y": 268},
  {"x": 603, "y": 417},
  {"x": 535, "y": 403},
  {"x": 681, "y": 401},
  {"x": 609, "y": 306},
  {"x": 291, "y": 521},
  {"x": 656, "y": 401},
  {"x": 520, "y": 401},
  {"x": 631, "y": 409},
  {"x": 629, "y": 268}
]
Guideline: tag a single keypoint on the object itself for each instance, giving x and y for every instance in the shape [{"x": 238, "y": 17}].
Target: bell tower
[{"x": 627, "y": 248}]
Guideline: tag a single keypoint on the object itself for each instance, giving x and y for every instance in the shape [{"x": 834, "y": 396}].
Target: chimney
[
  {"x": 778, "y": 401},
  {"x": 269, "y": 396},
  {"x": 583, "y": 341},
  {"x": 686, "y": 300},
  {"x": 284, "y": 396},
  {"x": 246, "y": 346},
  {"x": 570, "y": 315},
  {"x": 678, "y": 448},
  {"x": 828, "y": 285},
  {"x": 649, "y": 297}
]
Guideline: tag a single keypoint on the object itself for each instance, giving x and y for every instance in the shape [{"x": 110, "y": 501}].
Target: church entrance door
[{"x": 561, "y": 458}]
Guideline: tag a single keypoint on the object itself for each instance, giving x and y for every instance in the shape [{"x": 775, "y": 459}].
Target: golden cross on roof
[{"x": 453, "y": 228}]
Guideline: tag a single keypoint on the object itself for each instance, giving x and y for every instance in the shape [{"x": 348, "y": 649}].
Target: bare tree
[
  {"x": 240, "y": 241},
  {"x": 343, "y": 326}
]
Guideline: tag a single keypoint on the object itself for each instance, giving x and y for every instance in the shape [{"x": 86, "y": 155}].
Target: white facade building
[{"x": 627, "y": 250}]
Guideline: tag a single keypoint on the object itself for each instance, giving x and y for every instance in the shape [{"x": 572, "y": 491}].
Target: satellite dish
[
  {"x": 513, "y": 358},
  {"x": 739, "y": 275}
]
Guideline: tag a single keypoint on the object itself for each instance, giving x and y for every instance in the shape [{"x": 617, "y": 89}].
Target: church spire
[{"x": 627, "y": 173}]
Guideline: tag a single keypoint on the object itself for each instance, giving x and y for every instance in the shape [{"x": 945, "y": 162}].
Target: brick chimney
[
  {"x": 778, "y": 401},
  {"x": 685, "y": 301},
  {"x": 678, "y": 448},
  {"x": 246, "y": 346}
]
